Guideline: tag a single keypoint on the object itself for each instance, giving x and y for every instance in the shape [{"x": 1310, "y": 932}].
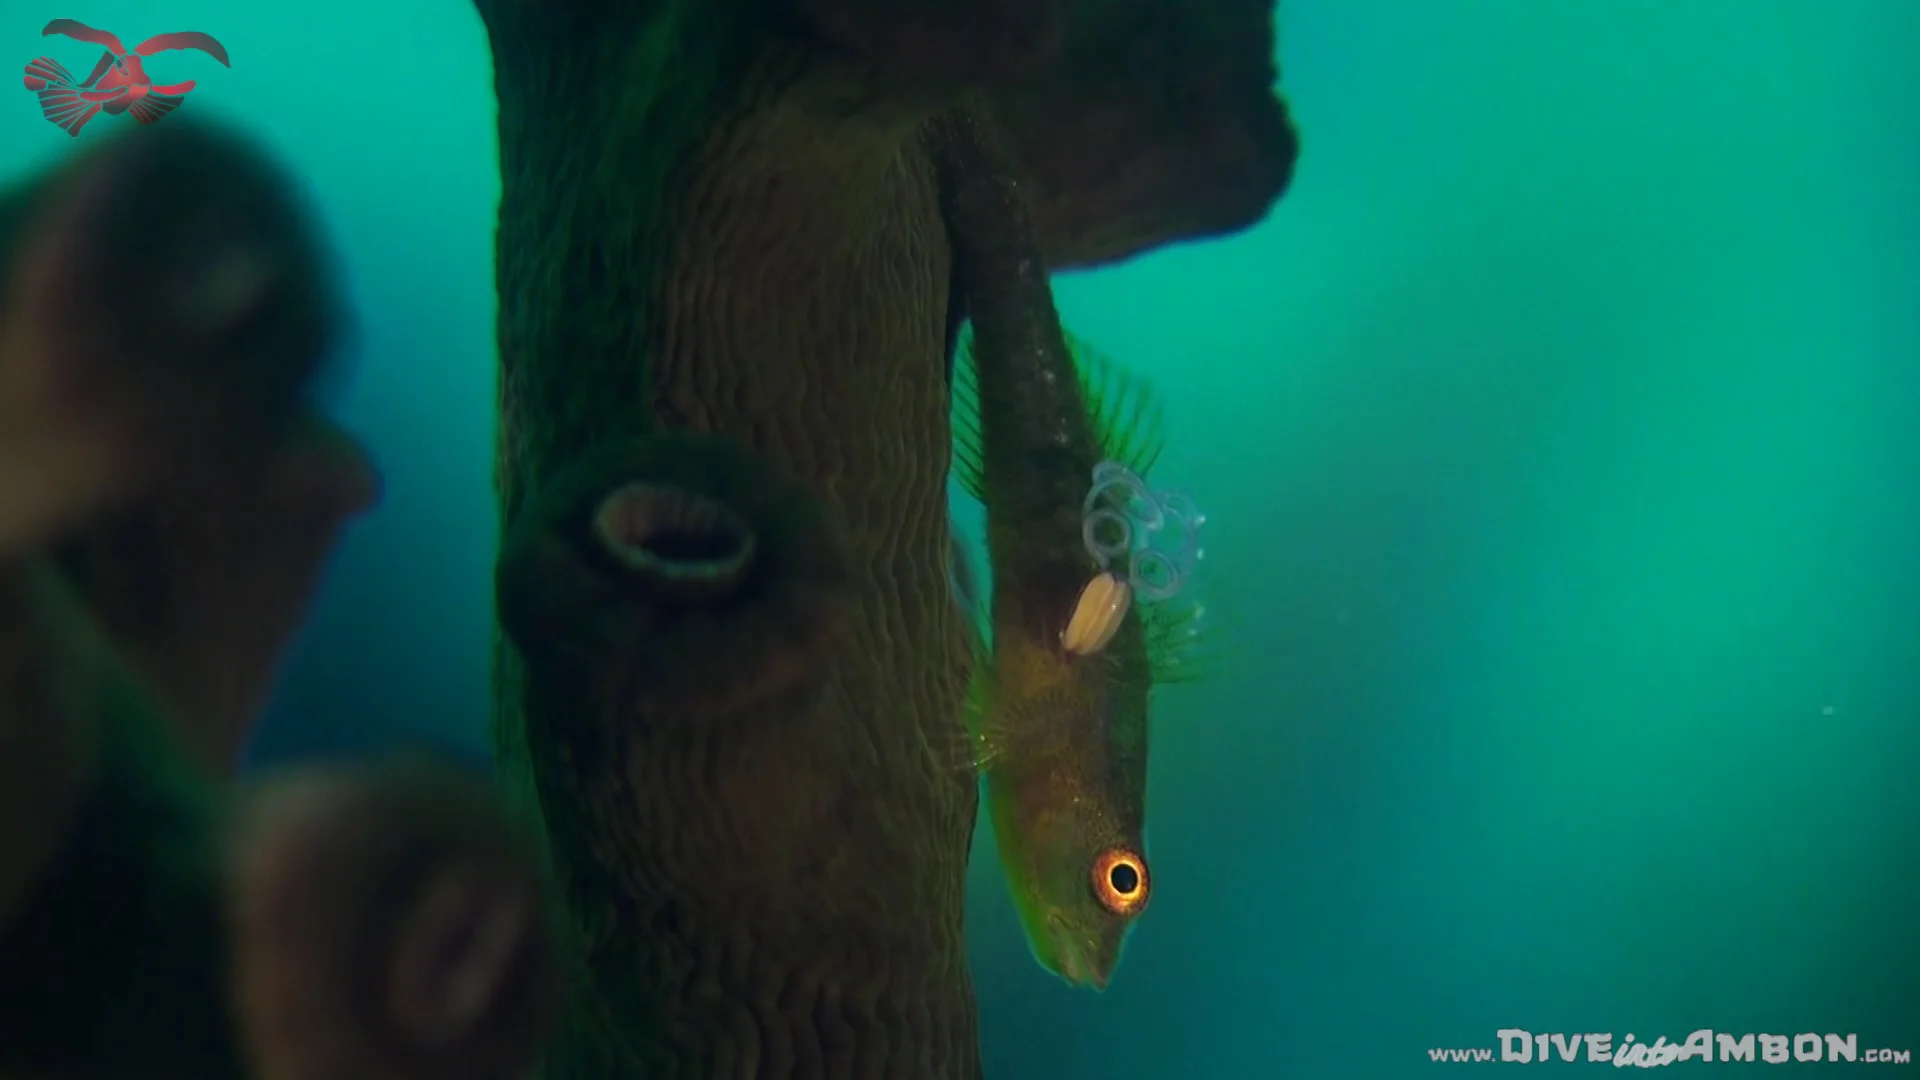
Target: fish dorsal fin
[
  {"x": 967, "y": 456},
  {"x": 1183, "y": 638},
  {"x": 1183, "y": 643},
  {"x": 1123, "y": 407}
]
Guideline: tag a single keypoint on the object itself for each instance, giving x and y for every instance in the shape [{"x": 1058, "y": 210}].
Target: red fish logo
[{"x": 119, "y": 83}]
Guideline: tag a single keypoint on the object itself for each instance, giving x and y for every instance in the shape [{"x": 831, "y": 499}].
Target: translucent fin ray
[
  {"x": 1186, "y": 641},
  {"x": 967, "y": 456},
  {"x": 1125, "y": 411}
]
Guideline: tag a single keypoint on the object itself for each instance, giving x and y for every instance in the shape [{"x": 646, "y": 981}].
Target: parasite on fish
[{"x": 1103, "y": 604}]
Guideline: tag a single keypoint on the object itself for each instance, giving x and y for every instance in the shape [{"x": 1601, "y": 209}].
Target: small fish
[
  {"x": 1053, "y": 446},
  {"x": 119, "y": 81},
  {"x": 1066, "y": 661}
]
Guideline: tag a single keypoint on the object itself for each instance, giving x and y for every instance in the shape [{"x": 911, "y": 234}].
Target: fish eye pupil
[{"x": 1124, "y": 879}]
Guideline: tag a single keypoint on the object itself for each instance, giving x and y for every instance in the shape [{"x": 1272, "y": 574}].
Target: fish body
[
  {"x": 1061, "y": 736},
  {"x": 1065, "y": 664}
]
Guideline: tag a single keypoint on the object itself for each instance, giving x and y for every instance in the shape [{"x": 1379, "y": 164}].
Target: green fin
[
  {"x": 982, "y": 743},
  {"x": 1181, "y": 643},
  {"x": 984, "y": 740},
  {"x": 1124, "y": 409},
  {"x": 1185, "y": 641},
  {"x": 968, "y": 591},
  {"x": 967, "y": 457}
]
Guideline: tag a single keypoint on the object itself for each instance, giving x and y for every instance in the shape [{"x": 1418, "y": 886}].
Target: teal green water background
[{"x": 1558, "y": 438}]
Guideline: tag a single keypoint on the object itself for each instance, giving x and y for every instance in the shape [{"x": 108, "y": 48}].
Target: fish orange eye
[{"x": 1120, "y": 881}]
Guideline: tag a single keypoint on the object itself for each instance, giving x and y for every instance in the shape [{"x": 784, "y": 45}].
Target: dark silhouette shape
[
  {"x": 119, "y": 82},
  {"x": 171, "y": 500}
]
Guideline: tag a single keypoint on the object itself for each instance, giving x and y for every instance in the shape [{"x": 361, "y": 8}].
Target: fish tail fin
[{"x": 60, "y": 100}]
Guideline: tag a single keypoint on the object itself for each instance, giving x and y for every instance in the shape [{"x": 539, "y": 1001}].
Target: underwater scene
[{"x": 685, "y": 519}]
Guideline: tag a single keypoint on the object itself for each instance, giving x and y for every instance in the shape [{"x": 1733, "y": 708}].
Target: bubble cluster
[{"x": 1154, "y": 534}]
